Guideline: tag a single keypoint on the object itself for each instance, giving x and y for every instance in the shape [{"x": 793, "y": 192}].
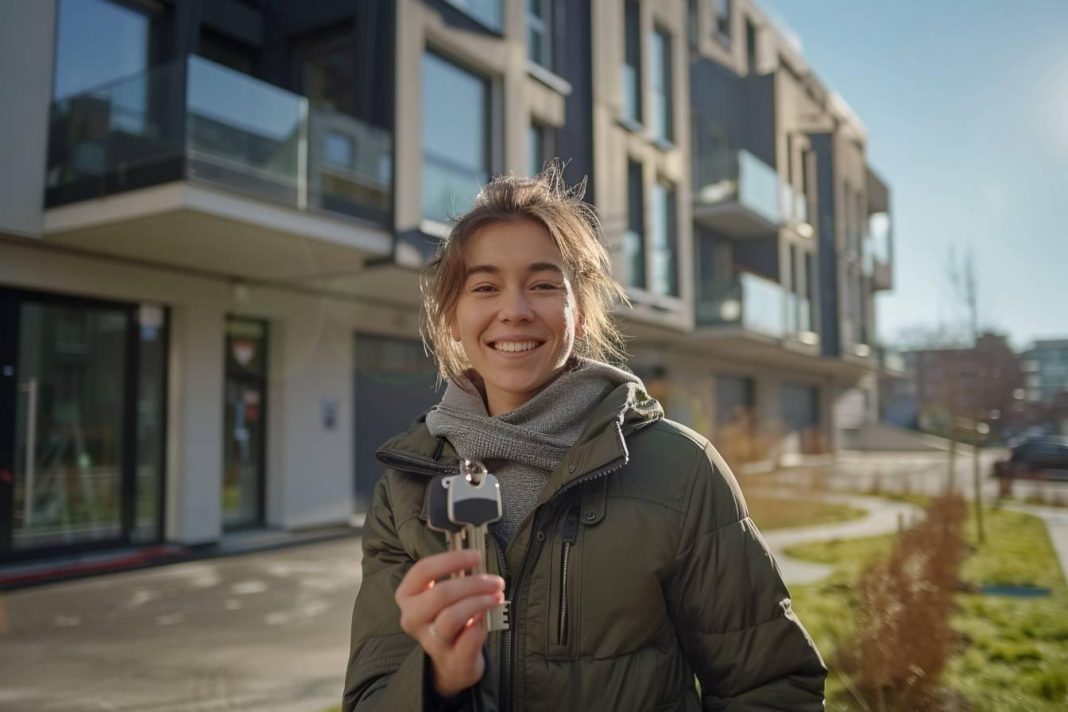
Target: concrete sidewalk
[
  {"x": 883, "y": 518},
  {"x": 266, "y": 631}
]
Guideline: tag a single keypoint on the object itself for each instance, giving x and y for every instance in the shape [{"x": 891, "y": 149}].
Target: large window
[
  {"x": 632, "y": 62},
  {"x": 456, "y": 128},
  {"x": 634, "y": 240},
  {"x": 539, "y": 32},
  {"x": 488, "y": 12},
  {"x": 665, "y": 241},
  {"x": 99, "y": 42},
  {"x": 96, "y": 42},
  {"x": 660, "y": 61}
]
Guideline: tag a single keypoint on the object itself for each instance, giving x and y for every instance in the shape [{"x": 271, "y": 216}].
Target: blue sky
[{"x": 966, "y": 105}]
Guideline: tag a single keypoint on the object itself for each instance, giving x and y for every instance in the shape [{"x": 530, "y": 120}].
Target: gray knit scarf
[{"x": 524, "y": 446}]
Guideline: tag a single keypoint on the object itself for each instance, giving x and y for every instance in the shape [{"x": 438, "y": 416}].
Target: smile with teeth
[{"x": 515, "y": 346}]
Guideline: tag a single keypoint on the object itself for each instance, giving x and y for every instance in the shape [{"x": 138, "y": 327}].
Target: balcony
[
  {"x": 877, "y": 252},
  {"x": 201, "y": 122},
  {"x": 749, "y": 302},
  {"x": 879, "y": 242},
  {"x": 198, "y": 166},
  {"x": 794, "y": 207},
  {"x": 735, "y": 193}
]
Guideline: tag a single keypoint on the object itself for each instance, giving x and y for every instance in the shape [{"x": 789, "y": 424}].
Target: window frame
[
  {"x": 490, "y": 142},
  {"x": 632, "y": 59},
  {"x": 662, "y": 128},
  {"x": 666, "y": 195},
  {"x": 468, "y": 9},
  {"x": 546, "y": 27}
]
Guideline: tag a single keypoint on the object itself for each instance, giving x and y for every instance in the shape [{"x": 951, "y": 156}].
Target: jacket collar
[{"x": 600, "y": 448}]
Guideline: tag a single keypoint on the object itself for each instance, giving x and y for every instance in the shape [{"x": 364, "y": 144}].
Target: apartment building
[
  {"x": 213, "y": 215},
  {"x": 1046, "y": 369},
  {"x": 983, "y": 381}
]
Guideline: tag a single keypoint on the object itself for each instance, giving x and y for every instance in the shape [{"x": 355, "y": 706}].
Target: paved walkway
[{"x": 884, "y": 517}]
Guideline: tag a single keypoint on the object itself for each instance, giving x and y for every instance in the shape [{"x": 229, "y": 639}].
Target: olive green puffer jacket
[{"x": 638, "y": 570}]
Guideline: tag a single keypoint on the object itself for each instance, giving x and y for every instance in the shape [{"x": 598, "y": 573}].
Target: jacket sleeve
[
  {"x": 731, "y": 609},
  {"x": 387, "y": 669}
]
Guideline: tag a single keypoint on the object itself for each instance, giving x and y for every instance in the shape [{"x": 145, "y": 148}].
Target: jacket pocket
[{"x": 568, "y": 536}]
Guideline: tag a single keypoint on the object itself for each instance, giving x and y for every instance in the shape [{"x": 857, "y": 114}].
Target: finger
[
  {"x": 467, "y": 647},
  {"x": 424, "y": 607},
  {"x": 452, "y": 621},
  {"x": 431, "y": 568}
]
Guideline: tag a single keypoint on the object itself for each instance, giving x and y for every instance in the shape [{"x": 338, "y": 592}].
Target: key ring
[{"x": 473, "y": 470}]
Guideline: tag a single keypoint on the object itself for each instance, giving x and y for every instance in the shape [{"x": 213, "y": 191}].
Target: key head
[
  {"x": 474, "y": 504},
  {"x": 437, "y": 506}
]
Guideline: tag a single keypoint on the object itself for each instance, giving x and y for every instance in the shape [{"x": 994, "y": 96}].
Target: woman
[{"x": 625, "y": 547}]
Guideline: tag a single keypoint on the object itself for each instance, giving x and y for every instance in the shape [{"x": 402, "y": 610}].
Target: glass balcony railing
[
  {"x": 724, "y": 176},
  {"x": 749, "y": 301},
  {"x": 199, "y": 121},
  {"x": 794, "y": 205}
]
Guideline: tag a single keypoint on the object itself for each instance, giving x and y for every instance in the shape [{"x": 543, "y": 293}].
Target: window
[
  {"x": 632, "y": 62},
  {"x": 97, "y": 42},
  {"x": 661, "y": 80},
  {"x": 723, "y": 19},
  {"x": 634, "y": 240},
  {"x": 326, "y": 64},
  {"x": 456, "y": 160},
  {"x": 665, "y": 241},
  {"x": 539, "y": 32},
  {"x": 487, "y": 12},
  {"x": 539, "y": 147},
  {"x": 750, "y": 47},
  {"x": 693, "y": 22}
]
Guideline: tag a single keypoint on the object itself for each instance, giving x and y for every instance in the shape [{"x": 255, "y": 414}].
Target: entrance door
[
  {"x": 67, "y": 428},
  {"x": 244, "y": 423},
  {"x": 395, "y": 383}
]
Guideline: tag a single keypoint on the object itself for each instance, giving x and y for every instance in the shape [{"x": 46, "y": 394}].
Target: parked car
[{"x": 1043, "y": 457}]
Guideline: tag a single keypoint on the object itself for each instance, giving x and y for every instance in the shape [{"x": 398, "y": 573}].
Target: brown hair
[{"x": 574, "y": 227}]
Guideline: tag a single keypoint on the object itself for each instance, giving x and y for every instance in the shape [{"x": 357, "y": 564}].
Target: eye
[
  {"x": 483, "y": 288},
  {"x": 548, "y": 286}
]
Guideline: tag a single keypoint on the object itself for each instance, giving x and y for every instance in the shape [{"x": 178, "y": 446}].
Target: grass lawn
[
  {"x": 770, "y": 512},
  {"x": 1013, "y": 654}
]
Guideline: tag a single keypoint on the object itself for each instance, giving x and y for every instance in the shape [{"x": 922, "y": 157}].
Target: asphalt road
[{"x": 266, "y": 631}]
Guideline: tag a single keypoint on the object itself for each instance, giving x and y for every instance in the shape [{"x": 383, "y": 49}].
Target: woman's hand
[{"x": 444, "y": 615}]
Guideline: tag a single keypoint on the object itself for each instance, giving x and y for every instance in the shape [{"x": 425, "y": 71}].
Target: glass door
[
  {"x": 65, "y": 457},
  {"x": 244, "y": 423}
]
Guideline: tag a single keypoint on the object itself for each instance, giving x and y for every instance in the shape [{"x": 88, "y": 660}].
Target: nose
[{"x": 515, "y": 307}]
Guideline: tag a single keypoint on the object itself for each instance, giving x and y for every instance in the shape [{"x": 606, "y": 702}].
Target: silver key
[
  {"x": 474, "y": 502},
  {"x": 437, "y": 507}
]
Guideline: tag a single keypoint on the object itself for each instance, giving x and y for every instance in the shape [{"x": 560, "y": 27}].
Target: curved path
[{"x": 883, "y": 518}]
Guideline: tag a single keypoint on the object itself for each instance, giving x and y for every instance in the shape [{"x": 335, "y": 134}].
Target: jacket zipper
[
  {"x": 507, "y": 651},
  {"x": 569, "y": 535}
]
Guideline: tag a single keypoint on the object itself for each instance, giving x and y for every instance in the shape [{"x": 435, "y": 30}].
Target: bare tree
[{"x": 965, "y": 286}]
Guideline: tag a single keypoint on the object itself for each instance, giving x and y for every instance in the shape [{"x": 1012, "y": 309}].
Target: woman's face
[{"x": 516, "y": 316}]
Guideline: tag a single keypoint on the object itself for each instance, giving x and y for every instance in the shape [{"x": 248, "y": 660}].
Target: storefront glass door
[
  {"x": 244, "y": 423},
  {"x": 70, "y": 420}
]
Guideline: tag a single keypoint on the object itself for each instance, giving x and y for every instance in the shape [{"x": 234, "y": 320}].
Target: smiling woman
[{"x": 623, "y": 540}]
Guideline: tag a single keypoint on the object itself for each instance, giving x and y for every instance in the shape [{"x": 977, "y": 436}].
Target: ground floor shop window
[{"x": 82, "y": 404}]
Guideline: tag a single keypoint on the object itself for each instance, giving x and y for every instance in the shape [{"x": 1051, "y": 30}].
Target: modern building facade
[
  {"x": 213, "y": 215},
  {"x": 983, "y": 382},
  {"x": 1046, "y": 368}
]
